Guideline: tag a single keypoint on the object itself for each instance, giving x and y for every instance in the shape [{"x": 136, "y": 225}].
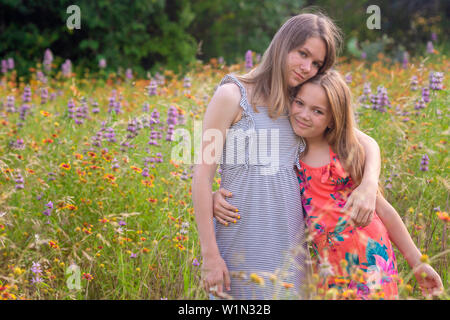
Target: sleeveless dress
[
  {"x": 267, "y": 243},
  {"x": 359, "y": 262}
]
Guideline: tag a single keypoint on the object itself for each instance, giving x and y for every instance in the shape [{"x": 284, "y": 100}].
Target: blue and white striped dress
[{"x": 259, "y": 171}]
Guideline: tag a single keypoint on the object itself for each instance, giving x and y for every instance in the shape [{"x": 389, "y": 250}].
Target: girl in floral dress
[{"x": 359, "y": 261}]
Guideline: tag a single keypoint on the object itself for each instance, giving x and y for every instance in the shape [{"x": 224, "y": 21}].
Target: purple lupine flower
[
  {"x": 122, "y": 223},
  {"x": 41, "y": 77},
  {"x": 430, "y": 47},
  {"x": 102, "y": 63},
  {"x": 436, "y": 80},
  {"x": 71, "y": 108},
  {"x": 10, "y": 104},
  {"x": 133, "y": 255},
  {"x": 363, "y": 55},
  {"x": 66, "y": 68},
  {"x": 348, "y": 78},
  {"x": 36, "y": 279},
  {"x": 95, "y": 108},
  {"x": 118, "y": 107},
  {"x": 48, "y": 59},
  {"x": 258, "y": 58},
  {"x": 221, "y": 60},
  {"x": 44, "y": 95},
  {"x": 380, "y": 100},
  {"x": 36, "y": 268},
  {"x": 195, "y": 263},
  {"x": 424, "y": 163},
  {"x": 248, "y": 60},
  {"x": 4, "y": 66},
  {"x": 19, "y": 144},
  {"x": 405, "y": 60},
  {"x": 110, "y": 135},
  {"x": 26, "y": 94},
  {"x": 414, "y": 83},
  {"x": 145, "y": 107},
  {"x": 434, "y": 37},
  {"x": 160, "y": 79},
  {"x": 129, "y": 74},
  {"x": 426, "y": 94},
  {"x": 49, "y": 205},
  {"x": 172, "y": 115},
  {"x": 10, "y": 63},
  {"x": 187, "y": 84},
  {"x": 420, "y": 104},
  {"x": 145, "y": 172},
  {"x": 19, "y": 181},
  {"x": 152, "y": 88},
  {"x": 155, "y": 117}
]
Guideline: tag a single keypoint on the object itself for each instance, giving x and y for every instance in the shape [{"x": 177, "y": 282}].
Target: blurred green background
[{"x": 148, "y": 35}]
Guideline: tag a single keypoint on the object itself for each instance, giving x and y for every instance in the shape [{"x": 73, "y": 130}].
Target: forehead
[
  {"x": 316, "y": 46},
  {"x": 313, "y": 93}
]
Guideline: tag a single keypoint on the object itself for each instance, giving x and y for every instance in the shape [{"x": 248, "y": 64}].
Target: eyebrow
[
  {"x": 309, "y": 52},
  {"x": 324, "y": 109}
]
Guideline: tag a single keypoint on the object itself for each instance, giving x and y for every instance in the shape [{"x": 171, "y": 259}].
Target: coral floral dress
[{"x": 359, "y": 262}]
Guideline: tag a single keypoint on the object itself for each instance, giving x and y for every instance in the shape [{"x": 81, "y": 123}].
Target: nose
[
  {"x": 303, "y": 113},
  {"x": 306, "y": 66}
]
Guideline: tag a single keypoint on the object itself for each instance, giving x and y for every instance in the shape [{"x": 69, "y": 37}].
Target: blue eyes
[
  {"x": 316, "y": 65},
  {"x": 300, "y": 103}
]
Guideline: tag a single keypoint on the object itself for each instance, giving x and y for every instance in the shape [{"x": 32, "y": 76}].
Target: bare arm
[
  {"x": 428, "y": 279},
  {"x": 372, "y": 165},
  {"x": 397, "y": 231},
  {"x": 219, "y": 115},
  {"x": 363, "y": 198}
]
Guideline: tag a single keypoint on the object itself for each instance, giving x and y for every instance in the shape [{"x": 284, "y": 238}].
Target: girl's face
[
  {"x": 310, "y": 112},
  {"x": 305, "y": 61}
]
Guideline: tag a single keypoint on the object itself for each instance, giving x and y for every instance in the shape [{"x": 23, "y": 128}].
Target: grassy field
[{"x": 92, "y": 208}]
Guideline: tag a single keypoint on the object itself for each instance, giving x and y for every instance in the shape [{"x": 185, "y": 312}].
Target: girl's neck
[{"x": 316, "y": 142}]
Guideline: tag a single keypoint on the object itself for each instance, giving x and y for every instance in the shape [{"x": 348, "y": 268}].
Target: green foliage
[
  {"x": 151, "y": 34},
  {"x": 137, "y": 33}
]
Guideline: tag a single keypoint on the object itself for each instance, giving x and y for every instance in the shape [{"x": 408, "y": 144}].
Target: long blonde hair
[
  {"x": 340, "y": 134},
  {"x": 269, "y": 77}
]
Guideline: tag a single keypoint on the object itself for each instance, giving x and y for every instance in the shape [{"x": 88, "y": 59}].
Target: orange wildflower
[
  {"x": 71, "y": 207},
  {"x": 153, "y": 200},
  {"x": 53, "y": 244},
  {"x": 78, "y": 156},
  {"x": 65, "y": 166},
  {"x": 147, "y": 183},
  {"x": 88, "y": 276},
  {"x": 138, "y": 170},
  {"x": 110, "y": 177},
  {"x": 444, "y": 216}
]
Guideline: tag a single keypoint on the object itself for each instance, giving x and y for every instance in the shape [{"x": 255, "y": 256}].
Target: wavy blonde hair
[
  {"x": 340, "y": 134},
  {"x": 269, "y": 77}
]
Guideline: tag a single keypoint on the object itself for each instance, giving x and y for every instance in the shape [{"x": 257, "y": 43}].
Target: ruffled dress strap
[
  {"x": 245, "y": 105},
  {"x": 334, "y": 169}
]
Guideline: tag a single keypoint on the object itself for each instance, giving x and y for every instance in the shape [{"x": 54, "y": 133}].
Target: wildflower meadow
[{"x": 93, "y": 204}]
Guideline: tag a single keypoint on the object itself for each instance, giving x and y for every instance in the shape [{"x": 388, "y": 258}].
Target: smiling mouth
[{"x": 301, "y": 124}]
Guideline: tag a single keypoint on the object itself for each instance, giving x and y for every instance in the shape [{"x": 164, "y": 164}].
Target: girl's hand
[
  {"x": 361, "y": 205},
  {"x": 222, "y": 210},
  {"x": 215, "y": 275},
  {"x": 429, "y": 280}
]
